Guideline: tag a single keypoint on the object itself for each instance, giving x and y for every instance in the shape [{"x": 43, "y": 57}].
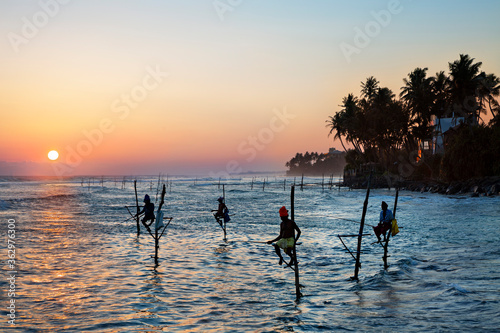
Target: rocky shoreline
[{"x": 489, "y": 186}]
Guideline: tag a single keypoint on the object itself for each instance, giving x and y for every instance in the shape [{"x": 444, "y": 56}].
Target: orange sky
[{"x": 180, "y": 87}]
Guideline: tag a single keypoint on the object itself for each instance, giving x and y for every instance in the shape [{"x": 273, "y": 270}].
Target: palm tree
[
  {"x": 439, "y": 90},
  {"x": 342, "y": 120},
  {"x": 463, "y": 86},
  {"x": 375, "y": 117},
  {"x": 488, "y": 92},
  {"x": 369, "y": 88},
  {"x": 386, "y": 124},
  {"x": 417, "y": 93}
]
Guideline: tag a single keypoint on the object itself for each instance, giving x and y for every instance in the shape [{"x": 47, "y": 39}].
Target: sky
[{"x": 208, "y": 87}]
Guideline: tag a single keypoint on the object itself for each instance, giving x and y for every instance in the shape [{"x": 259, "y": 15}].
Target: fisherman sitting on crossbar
[
  {"x": 149, "y": 212},
  {"x": 385, "y": 223},
  {"x": 286, "y": 239}
]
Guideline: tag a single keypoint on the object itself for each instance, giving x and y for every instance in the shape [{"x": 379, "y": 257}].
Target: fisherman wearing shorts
[
  {"x": 149, "y": 212},
  {"x": 286, "y": 239},
  {"x": 222, "y": 213},
  {"x": 385, "y": 223}
]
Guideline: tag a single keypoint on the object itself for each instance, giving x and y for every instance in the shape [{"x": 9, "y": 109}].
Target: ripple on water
[{"x": 82, "y": 268}]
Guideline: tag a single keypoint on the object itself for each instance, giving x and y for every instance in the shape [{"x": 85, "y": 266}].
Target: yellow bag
[{"x": 394, "y": 227}]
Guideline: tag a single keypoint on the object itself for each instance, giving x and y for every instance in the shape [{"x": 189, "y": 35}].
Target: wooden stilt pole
[
  {"x": 156, "y": 237},
  {"x": 157, "y": 247},
  {"x": 224, "y": 219},
  {"x": 157, "y": 188},
  {"x": 361, "y": 226},
  {"x": 294, "y": 258},
  {"x": 137, "y": 207},
  {"x": 302, "y": 183},
  {"x": 264, "y": 185},
  {"x": 395, "y": 202},
  {"x": 284, "y": 184},
  {"x": 323, "y": 183},
  {"x": 386, "y": 244}
]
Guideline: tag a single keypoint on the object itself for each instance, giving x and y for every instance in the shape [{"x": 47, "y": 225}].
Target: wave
[
  {"x": 4, "y": 205},
  {"x": 7, "y": 204},
  {"x": 457, "y": 288}
]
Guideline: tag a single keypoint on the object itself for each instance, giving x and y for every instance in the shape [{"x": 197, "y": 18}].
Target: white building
[
  {"x": 441, "y": 125},
  {"x": 333, "y": 151}
]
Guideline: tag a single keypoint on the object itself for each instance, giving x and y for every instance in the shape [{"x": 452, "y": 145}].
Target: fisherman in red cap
[{"x": 286, "y": 238}]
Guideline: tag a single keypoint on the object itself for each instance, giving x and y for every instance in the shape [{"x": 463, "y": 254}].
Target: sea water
[{"x": 80, "y": 266}]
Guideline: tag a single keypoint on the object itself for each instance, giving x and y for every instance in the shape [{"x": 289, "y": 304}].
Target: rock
[
  {"x": 453, "y": 189},
  {"x": 492, "y": 191},
  {"x": 434, "y": 189}
]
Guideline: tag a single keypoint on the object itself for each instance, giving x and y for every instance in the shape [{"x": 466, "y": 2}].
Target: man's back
[{"x": 288, "y": 228}]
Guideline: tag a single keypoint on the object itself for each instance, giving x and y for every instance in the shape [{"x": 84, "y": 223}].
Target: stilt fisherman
[
  {"x": 385, "y": 222},
  {"x": 149, "y": 212},
  {"x": 286, "y": 239}
]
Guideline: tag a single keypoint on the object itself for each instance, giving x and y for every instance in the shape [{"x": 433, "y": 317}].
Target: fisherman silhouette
[
  {"x": 385, "y": 222},
  {"x": 286, "y": 239},
  {"x": 149, "y": 212},
  {"x": 222, "y": 212}
]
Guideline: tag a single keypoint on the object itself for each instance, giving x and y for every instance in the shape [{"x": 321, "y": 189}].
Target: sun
[{"x": 53, "y": 155}]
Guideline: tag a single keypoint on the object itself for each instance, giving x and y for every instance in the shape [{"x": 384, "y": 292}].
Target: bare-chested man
[{"x": 286, "y": 238}]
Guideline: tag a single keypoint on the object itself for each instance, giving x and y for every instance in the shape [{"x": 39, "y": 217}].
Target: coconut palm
[
  {"x": 489, "y": 91},
  {"x": 440, "y": 106},
  {"x": 342, "y": 122},
  {"x": 463, "y": 87},
  {"x": 418, "y": 96}
]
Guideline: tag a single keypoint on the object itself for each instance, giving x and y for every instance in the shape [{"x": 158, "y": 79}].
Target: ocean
[{"x": 76, "y": 263}]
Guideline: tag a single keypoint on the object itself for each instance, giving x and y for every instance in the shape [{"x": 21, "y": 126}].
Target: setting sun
[{"x": 53, "y": 155}]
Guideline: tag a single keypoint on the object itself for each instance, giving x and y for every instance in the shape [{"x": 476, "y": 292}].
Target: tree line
[
  {"x": 316, "y": 164},
  {"x": 388, "y": 131}
]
